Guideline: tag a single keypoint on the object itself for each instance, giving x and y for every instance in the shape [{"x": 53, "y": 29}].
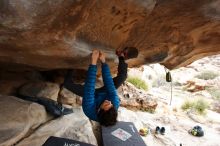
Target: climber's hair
[{"x": 107, "y": 118}]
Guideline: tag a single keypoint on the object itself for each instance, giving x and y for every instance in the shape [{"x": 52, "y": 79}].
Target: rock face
[
  {"x": 67, "y": 97},
  {"x": 75, "y": 126},
  {"x": 19, "y": 117},
  {"x": 61, "y": 34},
  {"x": 26, "y": 123},
  {"x": 135, "y": 99},
  {"x": 41, "y": 89}
]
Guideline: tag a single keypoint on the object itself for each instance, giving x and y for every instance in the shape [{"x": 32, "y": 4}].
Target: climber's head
[{"x": 107, "y": 114}]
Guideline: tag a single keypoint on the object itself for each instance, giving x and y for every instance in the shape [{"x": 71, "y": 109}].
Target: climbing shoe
[
  {"x": 162, "y": 130},
  {"x": 66, "y": 111},
  {"x": 53, "y": 107},
  {"x": 197, "y": 131},
  {"x": 58, "y": 109},
  {"x": 128, "y": 53},
  {"x": 157, "y": 131}
]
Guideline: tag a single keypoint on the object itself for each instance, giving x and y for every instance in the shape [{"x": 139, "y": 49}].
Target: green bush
[
  {"x": 187, "y": 105},
  {"x": 207, "y": 75},
  {"x": 137, "y": 82},
  {"x": 198, "y": 105},
  {"x": 215, "y": 93}
]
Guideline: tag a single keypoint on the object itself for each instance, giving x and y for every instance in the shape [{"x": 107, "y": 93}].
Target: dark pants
[
  {"x": 79, "y": 89},
  {"x": 50, "y": 105}
]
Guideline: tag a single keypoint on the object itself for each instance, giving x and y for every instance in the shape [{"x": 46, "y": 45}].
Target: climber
[{"x": 101, "y": 104}]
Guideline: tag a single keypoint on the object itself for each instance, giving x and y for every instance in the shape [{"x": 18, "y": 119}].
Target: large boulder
[
  {"x": 19, "y": 118},
  {"x": 25, "y": 123},
  {"x": 75, "y": 126},
  {"x": 61, "y": 34}
]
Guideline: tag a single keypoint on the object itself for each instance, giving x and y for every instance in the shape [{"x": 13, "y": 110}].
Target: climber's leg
[
  {"x": 70, "y": 85},
  {"x": 122, "y": 73},
  {"x": 50, "y": 105}
]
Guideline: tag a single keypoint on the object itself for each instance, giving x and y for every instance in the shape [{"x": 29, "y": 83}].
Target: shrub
[
  {"x": 187, "y": 105},
  {"x": 215, "y": 93},
  {"x": 207, "y": 75},
  {"x": 198, "y": 105},
  {"x": 137, "y": 82}
]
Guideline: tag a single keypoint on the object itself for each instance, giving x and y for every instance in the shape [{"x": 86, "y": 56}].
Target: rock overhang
[{"x": 47, "y": 35}]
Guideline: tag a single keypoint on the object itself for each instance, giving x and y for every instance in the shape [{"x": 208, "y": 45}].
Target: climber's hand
[
  {"x": 102, "y": 56},
  {"x": 95, "y": 56}
]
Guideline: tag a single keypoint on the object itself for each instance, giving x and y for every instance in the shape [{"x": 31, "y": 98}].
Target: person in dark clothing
[
  {"x": 54, "y": 108},
  {"x": 101, "y": 104}
]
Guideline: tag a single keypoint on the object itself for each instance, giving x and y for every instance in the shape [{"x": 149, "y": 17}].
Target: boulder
[
  {"x": 74, "y": 126},
  {"x": 193, "y": 86},
  {"x": 67, "y": 97},
  {"x": 19, "y": 118},
  {"x": 40, "y": 89},
  {"x": 136, "y": 99}
]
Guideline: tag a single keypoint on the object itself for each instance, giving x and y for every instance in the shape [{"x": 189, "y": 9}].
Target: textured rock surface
[
  {"x": 41, "y": 89},
  {"x": 11, "y": 81},
  {"x": 27, "y": 123},
  {"x": 216, "y": 106},
  {"x": 60, "y": 34},
  {"x": 18, "y": 118},
  {"x": 67, "y": 97},
  {"x": 133, "y": 98},
  {"x": 75, "y": 126}
]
